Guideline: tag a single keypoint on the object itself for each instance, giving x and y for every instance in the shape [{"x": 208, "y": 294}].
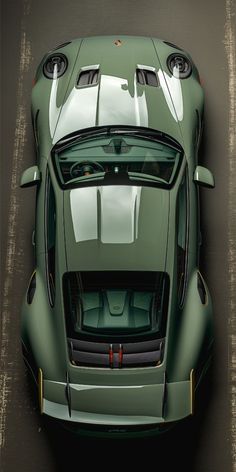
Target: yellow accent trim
[
  {"x": 40, "y": 390},
  {"x": 192, "y": 391}
]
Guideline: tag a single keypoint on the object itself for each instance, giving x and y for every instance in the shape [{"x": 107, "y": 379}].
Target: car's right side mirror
[
  {"x": 203, "y": 176},
  {"x": 30, "y": 177}
]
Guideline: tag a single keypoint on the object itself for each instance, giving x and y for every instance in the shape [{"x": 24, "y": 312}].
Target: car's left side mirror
[
  {"x": 30, "y": 177},
  {"x": 203, "y": 176}
]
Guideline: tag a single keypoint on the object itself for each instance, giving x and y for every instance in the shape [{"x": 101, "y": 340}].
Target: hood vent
[
  {"x": 146, "y": 77},
  {"x": 88, "y": 77},
  {"x": 172, "y": 45},
  {"x": 63, "y": 45}
]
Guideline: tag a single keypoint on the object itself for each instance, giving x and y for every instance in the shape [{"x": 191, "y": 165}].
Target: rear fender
[
  {"x": 38, "y": 333},
  {"x": 194, "y": 334}
]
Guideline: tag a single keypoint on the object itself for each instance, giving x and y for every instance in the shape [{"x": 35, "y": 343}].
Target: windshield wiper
[
  {"x": 76, "y": 137},
  {"x": 148, "y": 177},
  {"x": 123, "y": 178},
  {"x": 97, "y": 131},
  {"x": 83, "y": 178}
]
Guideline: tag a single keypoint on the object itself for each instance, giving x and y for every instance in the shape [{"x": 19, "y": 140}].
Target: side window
[
  {"x": 182, "y": 237},
  {"x": 50, "y": 224}
]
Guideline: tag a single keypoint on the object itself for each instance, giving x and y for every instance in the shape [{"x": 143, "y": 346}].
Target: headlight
[
  {"x": 179, "y": 66},
  {"x": 55, "y": 65}
]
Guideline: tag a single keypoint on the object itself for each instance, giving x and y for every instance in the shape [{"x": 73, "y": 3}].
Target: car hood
[
  {"x": 116, "y": 227},
  {"x": 117, "y": 98}
]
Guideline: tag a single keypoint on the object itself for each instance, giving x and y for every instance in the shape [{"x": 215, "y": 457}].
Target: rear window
[{"x": 115, "y": 303}]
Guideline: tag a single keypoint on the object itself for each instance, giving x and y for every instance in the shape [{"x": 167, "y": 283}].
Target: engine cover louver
[{"x": 137, "y": 354}]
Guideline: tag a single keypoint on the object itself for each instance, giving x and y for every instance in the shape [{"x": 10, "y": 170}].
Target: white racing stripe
[
  {"x": 12, "y": 252},
  {"x": 230, "y": 45}
]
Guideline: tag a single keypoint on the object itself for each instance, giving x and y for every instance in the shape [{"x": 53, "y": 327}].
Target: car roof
[{"x": 116, "y": 228}]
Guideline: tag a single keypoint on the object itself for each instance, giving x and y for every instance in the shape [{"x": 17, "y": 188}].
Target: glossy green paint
[
  {"x": 147, "y": 106},
  {"x": 118, "y": 396},
  {"x": 204, "y": 177},
  {"x": 30, "y": 177},
  {"x": 118, "y": 405},
  {"x": 137, "y": 250}
]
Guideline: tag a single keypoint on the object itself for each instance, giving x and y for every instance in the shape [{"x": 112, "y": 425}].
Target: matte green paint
[{"x": 118, "y": 396}]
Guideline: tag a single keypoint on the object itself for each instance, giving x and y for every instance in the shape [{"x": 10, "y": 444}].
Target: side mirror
[
  {"x": 203, "y": 176},
  {"x": 30, "y": 177}
]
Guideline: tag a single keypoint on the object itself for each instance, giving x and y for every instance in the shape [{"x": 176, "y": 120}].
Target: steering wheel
[{"x": 85, "y": 168}]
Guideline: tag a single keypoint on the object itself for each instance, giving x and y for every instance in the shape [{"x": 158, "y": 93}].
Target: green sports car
[{"x": 117, "y": 319}]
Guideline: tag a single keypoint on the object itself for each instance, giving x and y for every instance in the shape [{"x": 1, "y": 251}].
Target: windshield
[
  {"x": 112, "y": 158},
  {"x": 115, "y": 302}
]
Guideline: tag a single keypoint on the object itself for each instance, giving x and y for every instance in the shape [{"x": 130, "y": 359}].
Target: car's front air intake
[
  {"x": 146, "y": 77},
  {"x": 115, "y": 355}
]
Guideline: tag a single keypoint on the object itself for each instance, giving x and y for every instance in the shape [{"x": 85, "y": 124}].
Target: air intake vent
[
  {"x": 63, "y": 45},
  {"x": 88, "y": 77},
  {"x": 146, "y": 77},
  {"x": 172, "y": 45}
]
